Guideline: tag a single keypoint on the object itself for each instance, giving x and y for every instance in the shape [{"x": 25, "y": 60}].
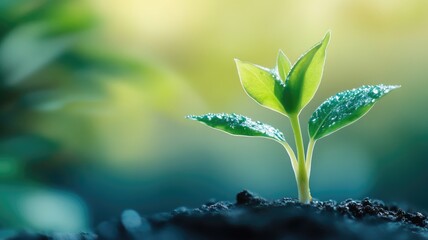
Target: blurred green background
[{"x": 93, "y": 96}]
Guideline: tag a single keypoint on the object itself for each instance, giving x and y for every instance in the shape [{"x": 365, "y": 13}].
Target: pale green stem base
[
  {"x": 302, "y": 175},
  {"x": 303, "y": 187}
]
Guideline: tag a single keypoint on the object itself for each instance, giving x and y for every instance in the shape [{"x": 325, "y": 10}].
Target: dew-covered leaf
[
  {"x": 236, "y": 124},
  {"x": 262, "y": 85},
  {"x": 283, "y": 65},
  {"x": 304, "y": 78},
  {"x": 345, "y": 108}
]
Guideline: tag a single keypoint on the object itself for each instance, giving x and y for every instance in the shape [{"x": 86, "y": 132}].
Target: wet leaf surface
[
  {"x": 345, "y": 108},
  {"x": 239, "y": 125}
]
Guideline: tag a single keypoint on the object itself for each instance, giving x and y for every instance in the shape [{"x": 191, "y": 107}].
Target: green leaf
[
  {"x": 304, "y": 78},
  {"x": 283, "y": 65},
  {"x": 262, "y": 85},
  {"x": 239, "y": 125},
  {"x": 345, "y": 108}
]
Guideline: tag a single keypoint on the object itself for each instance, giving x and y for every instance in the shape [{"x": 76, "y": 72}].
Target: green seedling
[{"x": 287, "y": 89}]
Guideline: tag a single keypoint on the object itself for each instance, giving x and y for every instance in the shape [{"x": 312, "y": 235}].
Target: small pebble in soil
[{"x": 248, "y": 198}]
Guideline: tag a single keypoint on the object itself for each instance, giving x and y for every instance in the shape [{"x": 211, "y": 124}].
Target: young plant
[{"x": 287, "y": 89}]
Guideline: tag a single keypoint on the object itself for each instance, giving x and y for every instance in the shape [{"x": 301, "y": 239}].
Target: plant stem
[
  {"x": 292, "y": 156},
  {"x": 309, "y": 152},
  {"x": 302, "y": 176}
]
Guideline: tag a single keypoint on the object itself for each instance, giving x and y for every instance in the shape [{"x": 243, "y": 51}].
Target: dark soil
[{"x": 253, "y": 217}]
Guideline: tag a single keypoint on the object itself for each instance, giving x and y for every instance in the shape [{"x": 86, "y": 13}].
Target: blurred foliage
[
  {"x": 63, "y": 92},
  {"x": 33, "y": 36}
]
